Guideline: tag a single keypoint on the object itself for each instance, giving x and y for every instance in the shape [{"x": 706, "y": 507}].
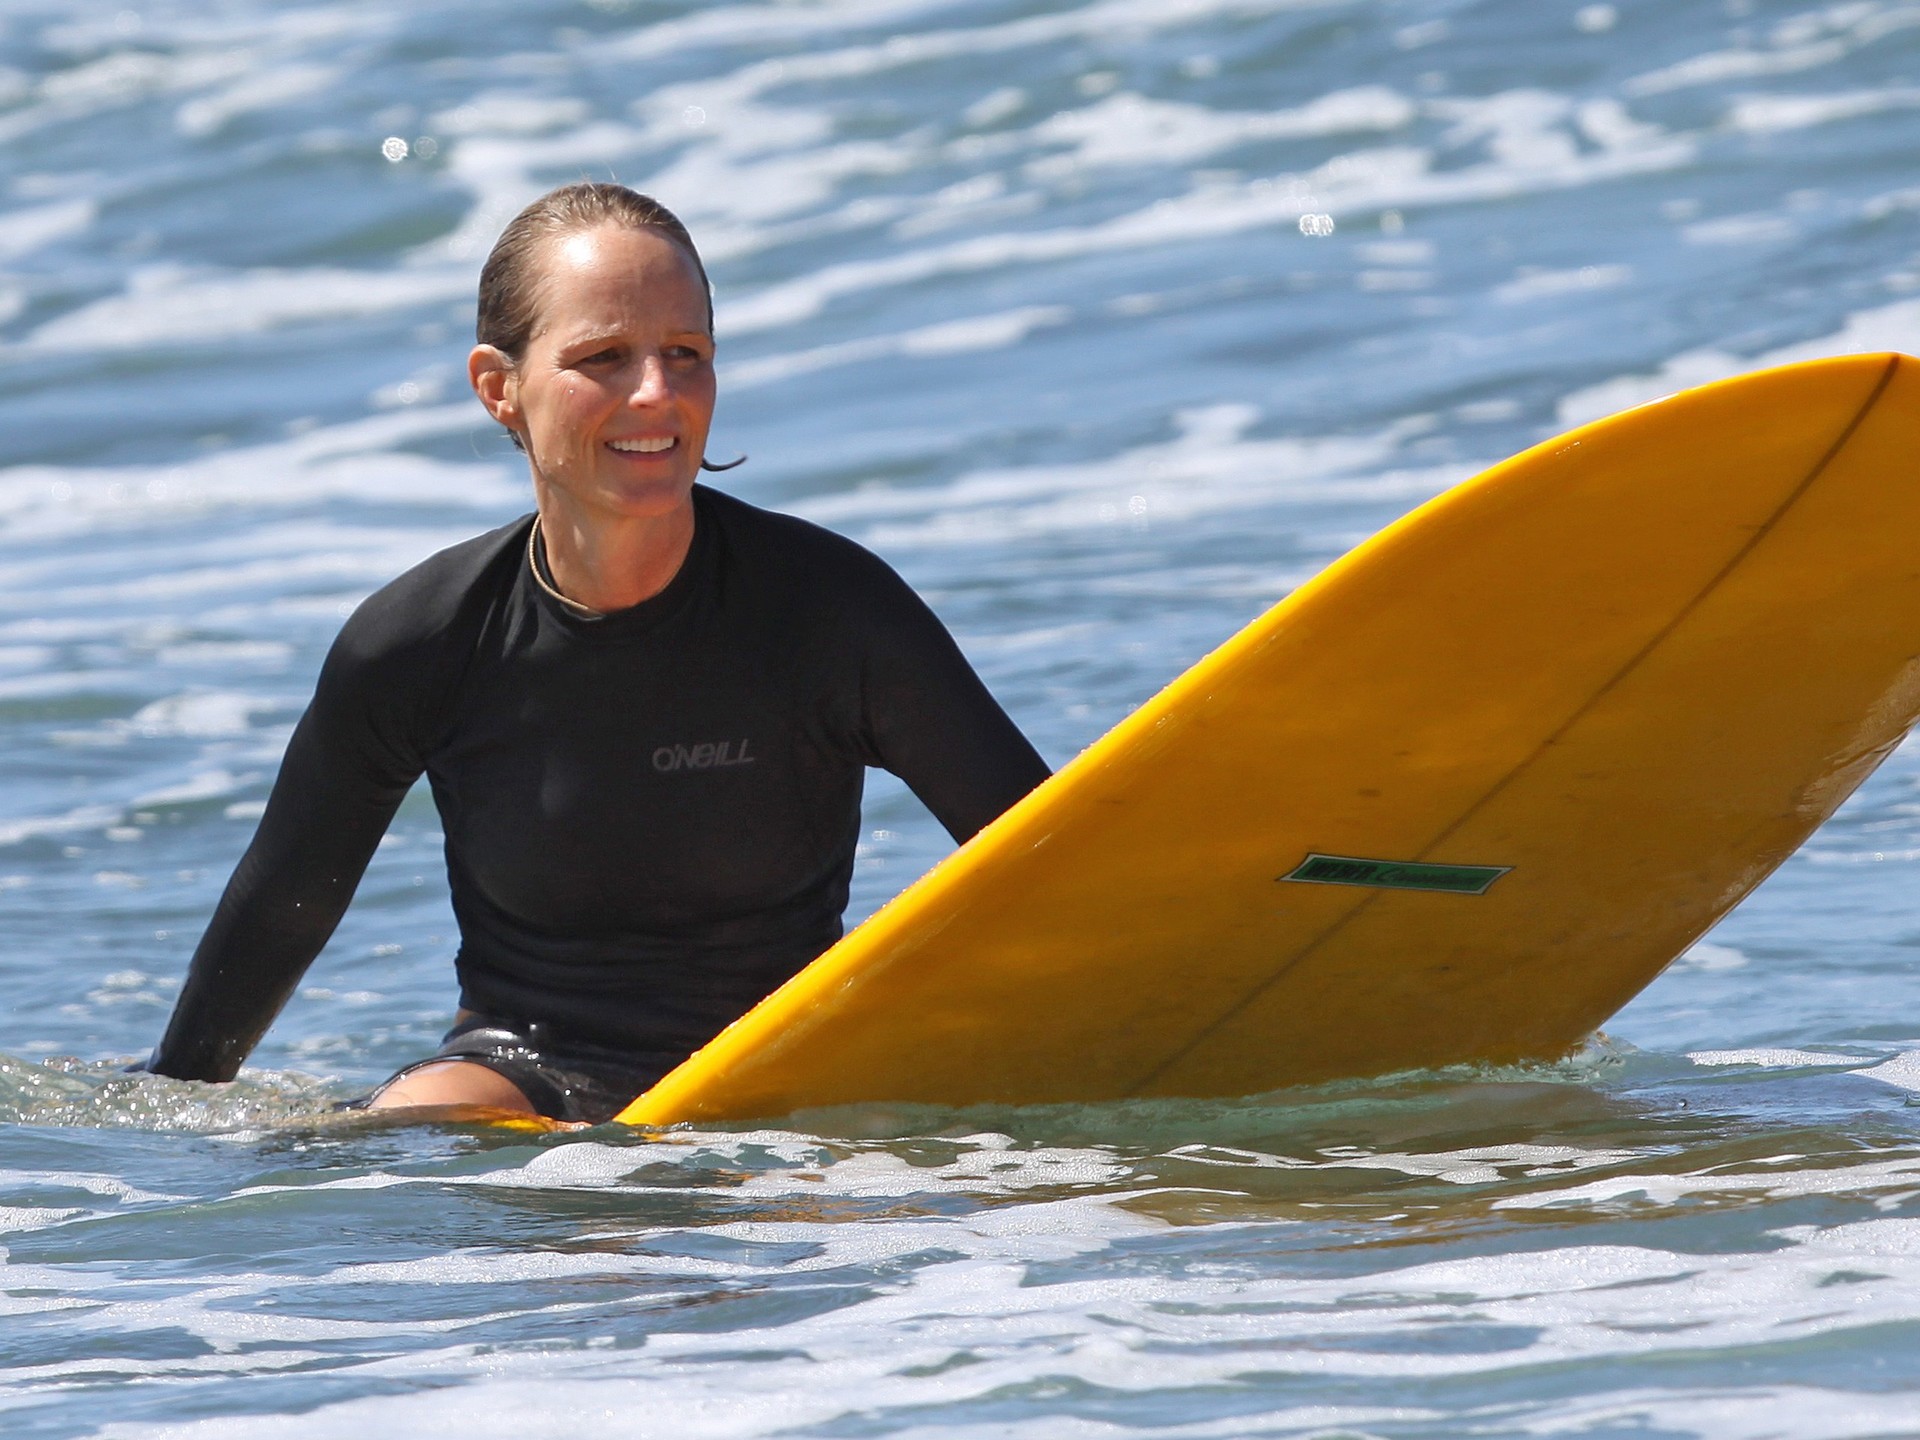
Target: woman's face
[{"x": 614, "y": 394}]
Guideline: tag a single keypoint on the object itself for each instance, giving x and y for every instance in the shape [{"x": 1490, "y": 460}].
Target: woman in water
[{"x": 645, "y": 712}]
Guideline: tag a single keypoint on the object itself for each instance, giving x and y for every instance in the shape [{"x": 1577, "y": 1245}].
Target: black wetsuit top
[{"x": 650, "y": 816}]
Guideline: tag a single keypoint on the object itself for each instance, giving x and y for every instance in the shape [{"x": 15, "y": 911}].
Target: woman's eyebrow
[{"x": 618, "y": 336}]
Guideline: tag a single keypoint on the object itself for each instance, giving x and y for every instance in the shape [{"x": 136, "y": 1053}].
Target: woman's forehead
[{"x": 613, "y": 271}]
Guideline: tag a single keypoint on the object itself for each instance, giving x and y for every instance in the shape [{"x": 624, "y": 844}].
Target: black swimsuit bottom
[{"x": 562, "y": 1076}]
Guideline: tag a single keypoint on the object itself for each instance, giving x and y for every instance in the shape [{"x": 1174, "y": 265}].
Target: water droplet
[
  {"x": 1317, "y": 225},
  {"x": 394, "y": 148}
]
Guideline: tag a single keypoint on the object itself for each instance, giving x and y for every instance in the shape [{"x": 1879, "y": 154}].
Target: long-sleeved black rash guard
[{"x": 650, "y": 816}]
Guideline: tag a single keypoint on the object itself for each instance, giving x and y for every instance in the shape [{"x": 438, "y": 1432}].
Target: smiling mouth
[{"x": 643, "y": 447}]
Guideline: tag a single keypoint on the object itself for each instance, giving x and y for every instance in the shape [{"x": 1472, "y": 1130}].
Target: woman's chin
[{"x": 646, "y": 500}]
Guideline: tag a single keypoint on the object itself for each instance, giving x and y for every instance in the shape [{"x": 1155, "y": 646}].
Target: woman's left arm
[{"x": 935, "y": 724}]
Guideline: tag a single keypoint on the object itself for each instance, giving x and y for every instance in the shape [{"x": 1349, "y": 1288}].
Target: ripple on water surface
[{"x": 1406, "y": 1256}]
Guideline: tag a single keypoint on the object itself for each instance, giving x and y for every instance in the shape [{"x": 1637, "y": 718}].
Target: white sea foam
[
  {"x": 1705, "y": 955},
  {"x": 1769, "y": 1058},
  {"x": 123, "y": 77},
  {"x": 1762, "y": 1412},
  {"x": 218, "y": 712},
  {"x": 174, "y": 305},
  {"x": 1902, "y": 1071},
  {"x": 717, "y": 179},
  {"x": 1360, "y": 181},
  {"x": 1806, "y": 41},
  {"x": 381, "y": 557},
  {"x": 949, "y": 337},
  {"x": 1576, "y": 1303},
  {"x": 197, "y": 788},
  {"x": 1210, "y": 468},
  {"x": 83, "y": 817},
  {"x": 1885, "y": 327},
  {"x": 1487, "y": 1165},
  {"x": 495, "y": 112},
  {"x": 113, "y": 67},
  {"x": 739, "y": 183},
  {"x": 1767, "y": 114},
  {"x": 24, "y": 231},
  {"x": 362, "y": 461},
  {"x": 24, "y": 1217},
  {"x": 1755, "y": 229},
  {"x": 1130, "y": 129},
  {"x": 1868, "y": 1179},
  {"x": 754, "y": 162},
  {"x": 1137, "y": 19},
  {"x": 258, "y": 90},
  {"x": 1545, "y": 284},
  {"x": 763, "y": 25},
  {"x": 1720, "y": 66},
  {"x": 274, "y": 653},
  {"x": 1484, "y": 1166}
]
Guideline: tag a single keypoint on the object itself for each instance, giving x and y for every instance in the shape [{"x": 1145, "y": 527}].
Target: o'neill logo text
[{"x": 707, "y": 756}]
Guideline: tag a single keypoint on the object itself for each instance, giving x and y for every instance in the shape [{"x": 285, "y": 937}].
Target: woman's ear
[{"x": 491, "y": 374}]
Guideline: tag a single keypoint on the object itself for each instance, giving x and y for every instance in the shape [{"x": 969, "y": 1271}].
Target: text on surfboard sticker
[{"x": 1397, "y": 874}]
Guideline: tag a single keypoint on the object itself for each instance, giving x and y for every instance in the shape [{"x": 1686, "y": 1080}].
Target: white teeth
[{"x": 644, "y": 447}]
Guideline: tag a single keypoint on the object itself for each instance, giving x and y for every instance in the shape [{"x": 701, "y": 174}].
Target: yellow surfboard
[{"x": 1456, "y": 799}]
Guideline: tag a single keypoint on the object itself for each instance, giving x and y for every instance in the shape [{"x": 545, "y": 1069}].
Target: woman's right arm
[{"x": 345, "y": 773}]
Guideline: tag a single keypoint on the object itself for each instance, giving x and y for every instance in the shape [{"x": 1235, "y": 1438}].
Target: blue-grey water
[{"x": 1107, "y": 322}]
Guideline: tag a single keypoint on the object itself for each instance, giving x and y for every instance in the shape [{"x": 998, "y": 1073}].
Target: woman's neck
[{"x": 608, "y": 563}]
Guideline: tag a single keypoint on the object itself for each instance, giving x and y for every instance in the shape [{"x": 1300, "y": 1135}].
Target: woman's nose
[{"x": 650, "y": 385}]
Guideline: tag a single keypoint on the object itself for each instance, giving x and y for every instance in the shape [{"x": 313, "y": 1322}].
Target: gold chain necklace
[{"x": 533, "y": 563}]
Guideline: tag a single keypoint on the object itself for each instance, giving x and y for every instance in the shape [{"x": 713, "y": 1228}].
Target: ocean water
[{"x": 1106, "y": 321}]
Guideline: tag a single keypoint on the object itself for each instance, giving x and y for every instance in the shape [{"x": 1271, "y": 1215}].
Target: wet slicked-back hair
[{"x": 511, "y": 276}]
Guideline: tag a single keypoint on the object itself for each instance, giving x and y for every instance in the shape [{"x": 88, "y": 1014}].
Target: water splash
[{"x": 102, "y": 1094}]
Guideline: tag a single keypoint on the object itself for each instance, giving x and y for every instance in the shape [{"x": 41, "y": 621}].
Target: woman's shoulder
[
  {"x": 773, "y": 544},
  {"x": 444, "y": 595},
  {"x": 820, "y": 585}
]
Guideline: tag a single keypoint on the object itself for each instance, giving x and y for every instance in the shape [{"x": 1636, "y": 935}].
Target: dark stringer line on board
[{"x": 1505, "y": 782}]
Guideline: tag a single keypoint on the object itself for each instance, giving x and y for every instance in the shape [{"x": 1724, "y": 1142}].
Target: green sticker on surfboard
[{"x": 1396, "y": 874}]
